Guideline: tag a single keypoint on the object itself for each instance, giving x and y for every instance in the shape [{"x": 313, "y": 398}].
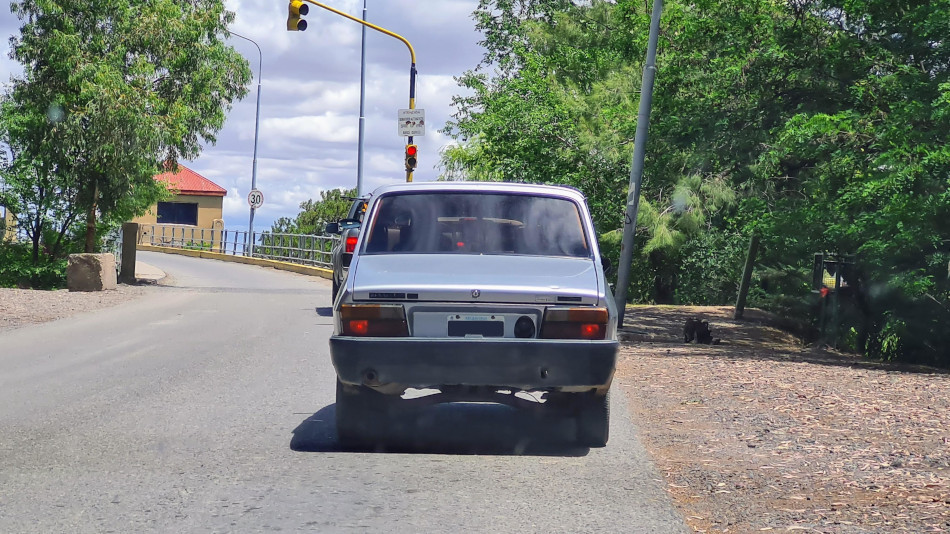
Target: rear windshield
[{"x": 477, "y": 223}]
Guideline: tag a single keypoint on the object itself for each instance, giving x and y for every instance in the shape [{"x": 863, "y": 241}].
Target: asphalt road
[{"x": 208, "y": 405}]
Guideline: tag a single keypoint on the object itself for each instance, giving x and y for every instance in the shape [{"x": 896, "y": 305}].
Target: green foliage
[
  {"x": 17, "y": 268},
  {"x": 315, "y": 214},
  {"x": 711, "y": 268},
  {"x": 198, "y": 245},
  {"x": 819, "y": 124},
  {"x": 639, "y": 288}
]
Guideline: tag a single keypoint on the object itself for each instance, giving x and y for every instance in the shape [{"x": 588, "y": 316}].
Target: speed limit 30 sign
[{"x": 255, "y": 198}]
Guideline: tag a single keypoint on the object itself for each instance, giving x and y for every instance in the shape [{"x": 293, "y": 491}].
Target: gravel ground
[
  {"x": 756, "y": 434},
  {"x": 21, "y": 307}
]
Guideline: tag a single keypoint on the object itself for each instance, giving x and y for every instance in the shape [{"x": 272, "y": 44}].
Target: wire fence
[
  {"x": 112, "y": 242},
  {"x": 294, "y": 248}
]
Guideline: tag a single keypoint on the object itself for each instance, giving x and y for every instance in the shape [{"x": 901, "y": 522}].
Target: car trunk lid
[{"x": 476, "y": 278}]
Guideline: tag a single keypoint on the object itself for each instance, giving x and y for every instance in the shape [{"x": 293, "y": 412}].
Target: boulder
[{"x": 91, "y": 272}]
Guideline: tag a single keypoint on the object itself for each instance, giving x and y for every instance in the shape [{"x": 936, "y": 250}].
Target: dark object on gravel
[{"x": 698, "y": 329}]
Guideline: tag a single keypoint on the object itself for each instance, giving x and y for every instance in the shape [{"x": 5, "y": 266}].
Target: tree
[
  {"x": 315, "y": 214},
  {"x": 820, "y": 125},
  {"x": 112, "y": 90}
]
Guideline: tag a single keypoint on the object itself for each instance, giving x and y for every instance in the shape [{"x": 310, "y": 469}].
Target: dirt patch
[
  {"x": 760, "y": 434},
  {"x": 21, "y": 307}
]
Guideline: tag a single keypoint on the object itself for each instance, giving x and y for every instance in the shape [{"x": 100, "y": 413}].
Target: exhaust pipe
[{"x": 370, "y": 377}]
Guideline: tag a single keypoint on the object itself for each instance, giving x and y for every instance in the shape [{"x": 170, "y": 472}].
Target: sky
[{"x": 310, "y": 95}]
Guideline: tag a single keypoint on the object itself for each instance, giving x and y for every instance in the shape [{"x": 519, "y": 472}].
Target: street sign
[
  {"x": 412, "y": 122},
  {"x": 255, "y": 198}
]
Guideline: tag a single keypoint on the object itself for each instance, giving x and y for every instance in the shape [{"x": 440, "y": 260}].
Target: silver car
[{"x": 480, "y": 290}]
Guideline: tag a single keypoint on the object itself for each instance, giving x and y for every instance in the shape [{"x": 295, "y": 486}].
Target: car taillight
[
  {"x": 574, "y": 323},
  {"x": 374, "y": 320},
  {"x": 351, "y": 244}
]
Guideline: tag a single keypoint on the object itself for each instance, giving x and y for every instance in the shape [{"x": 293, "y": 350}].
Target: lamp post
[
  {"x": 359, "y": 157},
  {"x": 257, "y": 123}
]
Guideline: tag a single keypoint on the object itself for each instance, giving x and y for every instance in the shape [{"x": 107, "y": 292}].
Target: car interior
[{"x": 479, "y": 224}]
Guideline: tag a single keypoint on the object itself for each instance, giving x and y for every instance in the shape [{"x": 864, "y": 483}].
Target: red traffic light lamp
[
  {"x": 411, "y": 162},
  {"x": 295, "y": 10}
]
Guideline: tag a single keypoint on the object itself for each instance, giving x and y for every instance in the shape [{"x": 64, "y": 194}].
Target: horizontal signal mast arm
[{"x": 412, "y": 53}]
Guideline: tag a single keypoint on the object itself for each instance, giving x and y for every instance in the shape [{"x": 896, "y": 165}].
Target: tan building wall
[
  {"x": 207, "y": 232},
  {"x": 9, "y": 225},
  {"x": 209, "y": 209}
]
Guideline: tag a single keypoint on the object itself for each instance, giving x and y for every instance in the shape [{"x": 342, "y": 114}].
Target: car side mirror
[
  {"x": 605, "y": 263},
  {"x": 332, "y": 228}
]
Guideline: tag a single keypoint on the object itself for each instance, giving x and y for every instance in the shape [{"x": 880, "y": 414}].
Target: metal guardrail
[
  {"x": 294, "y": 248},
  {"x": 112, "y": 242}
]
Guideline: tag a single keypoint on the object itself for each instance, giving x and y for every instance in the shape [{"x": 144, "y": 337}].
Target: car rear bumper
[{"x": 522, "y": 364}]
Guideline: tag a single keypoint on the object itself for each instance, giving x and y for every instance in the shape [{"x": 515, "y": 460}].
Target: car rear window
[{"x": 477, "y": 223}]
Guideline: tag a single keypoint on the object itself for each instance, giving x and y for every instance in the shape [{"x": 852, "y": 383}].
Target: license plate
[{"x": 476, "y": 325}]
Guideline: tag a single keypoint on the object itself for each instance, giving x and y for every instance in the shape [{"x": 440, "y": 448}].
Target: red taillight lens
[
  {"x": 591, "y": 331},
  {"x": 374, "y": 320},
  {"x": 351, "y": 244},
  {"x": 359, "y": 327},
  {"x": 574, "y": 323}
]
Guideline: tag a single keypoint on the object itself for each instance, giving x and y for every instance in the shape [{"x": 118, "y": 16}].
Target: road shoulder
[{"x": 759, "y": 433}]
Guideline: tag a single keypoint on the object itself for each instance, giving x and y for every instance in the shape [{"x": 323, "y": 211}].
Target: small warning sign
[{"x": 412, "y": 122}]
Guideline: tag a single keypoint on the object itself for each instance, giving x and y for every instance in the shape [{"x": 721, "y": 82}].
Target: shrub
[{"x": 18, "y": 270}]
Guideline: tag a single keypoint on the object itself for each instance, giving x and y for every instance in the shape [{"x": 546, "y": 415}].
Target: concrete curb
[
  {"x": 280, "y": 265},
  {"x": 147, "y": 273}
]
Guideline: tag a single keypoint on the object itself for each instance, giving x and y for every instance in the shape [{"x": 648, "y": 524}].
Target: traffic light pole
[
  {"x": 412, "y": 56},
  {"x": 412, "y": 105}
]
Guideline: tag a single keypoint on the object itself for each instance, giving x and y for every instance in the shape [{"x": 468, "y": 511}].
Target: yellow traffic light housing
[
  {"x": 295, "y": 10},
  {"x": 411, "y": 162}
]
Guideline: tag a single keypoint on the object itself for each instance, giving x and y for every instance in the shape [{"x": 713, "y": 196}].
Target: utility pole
[{"x": 636, "y": 168}]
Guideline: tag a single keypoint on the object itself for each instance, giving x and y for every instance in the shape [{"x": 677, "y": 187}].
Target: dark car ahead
[{"x": 342, "y": 253}]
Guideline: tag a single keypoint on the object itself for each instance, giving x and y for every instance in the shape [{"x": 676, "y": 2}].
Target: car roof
[{"x": 482, "y": 187}]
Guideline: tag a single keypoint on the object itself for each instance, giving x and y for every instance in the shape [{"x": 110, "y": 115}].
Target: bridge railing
[{"x": 294, "y": 248}]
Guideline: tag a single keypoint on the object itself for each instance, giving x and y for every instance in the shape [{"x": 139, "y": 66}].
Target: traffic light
[
  {"x": 295, "y": 10},
  {"x": 411, "y": 151}
]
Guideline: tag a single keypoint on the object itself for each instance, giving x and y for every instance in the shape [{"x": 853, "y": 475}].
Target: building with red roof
[
  {"x": 197, "y": 201},
  {"x": 185, "y": 181}
]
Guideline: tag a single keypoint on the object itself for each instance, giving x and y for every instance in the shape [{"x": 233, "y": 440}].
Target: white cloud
[{"x": 329, "y": 127}]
